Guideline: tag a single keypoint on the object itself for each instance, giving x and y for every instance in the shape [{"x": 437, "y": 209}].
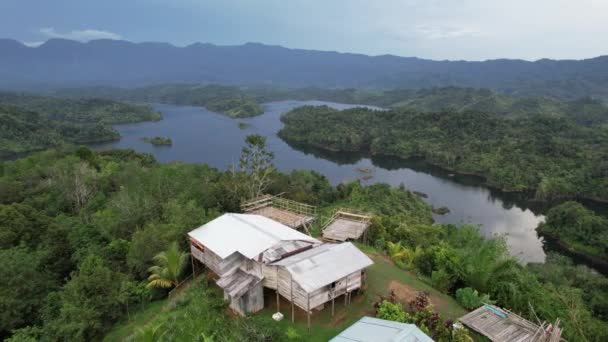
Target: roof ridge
[{"x": 259, "y": 229}]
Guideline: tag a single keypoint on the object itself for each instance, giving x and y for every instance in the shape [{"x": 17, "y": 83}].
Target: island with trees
[{"x": 158, "y": 141}]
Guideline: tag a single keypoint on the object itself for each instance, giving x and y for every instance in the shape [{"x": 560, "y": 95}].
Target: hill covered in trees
[
  {"x": 31, "y": 122},
  {"x": 60, "y": 62},
  {"x": 554, "y": 157},
  {"x": 228, "y": 100},
  {"x": 81, "y": 229},
  {"x": 586, "y": 111}
]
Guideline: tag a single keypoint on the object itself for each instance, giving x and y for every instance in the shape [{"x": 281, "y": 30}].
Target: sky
[{"x": 435, "y": 29}]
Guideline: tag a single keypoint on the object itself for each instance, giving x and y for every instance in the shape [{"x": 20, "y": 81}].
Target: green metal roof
[{"x": 369, "y": 329}]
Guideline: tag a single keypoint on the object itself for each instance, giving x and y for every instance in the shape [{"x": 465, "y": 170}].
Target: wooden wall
[
  {"x": 218, "y": 265},
  {"x": 310, "y": 301}
]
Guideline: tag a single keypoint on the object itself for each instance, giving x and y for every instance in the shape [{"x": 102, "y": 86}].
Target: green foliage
[
  {"x": 90, "y": 302},
  {"x": 577, "y": 227},
  {"x": 227, "y": 100},
  {"x": 158, "y": 141},
  {"x": 256, "y": 165},
  {"x": 30, "y": 122},
  {"x": 392, "y": 312},
  {"x": 552, "y": 155},
  {"x": 25, "y": 283},
  {"x": 471, "y": 299},
  {"x": 168, "y": 268}
]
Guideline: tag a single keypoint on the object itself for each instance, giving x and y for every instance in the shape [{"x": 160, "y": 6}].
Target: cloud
[
  {"x": 80, "y": 35},
  {"x": 33, "y": 44},
  {"x": 443, "y": 32}
]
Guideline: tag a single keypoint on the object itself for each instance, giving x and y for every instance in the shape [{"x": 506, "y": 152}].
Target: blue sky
[{"x": 437, "y": 29}]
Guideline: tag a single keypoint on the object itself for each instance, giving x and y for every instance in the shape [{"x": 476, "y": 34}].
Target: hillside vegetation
[
  {"x": 30, "y": 122},
  {"x": 552, "y": 156},
  {"x": 227, "y": 100},
  {"x": 81, "y": 229}
]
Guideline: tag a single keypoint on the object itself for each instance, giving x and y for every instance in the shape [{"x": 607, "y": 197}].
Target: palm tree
[{"x": 169, "y": 266}]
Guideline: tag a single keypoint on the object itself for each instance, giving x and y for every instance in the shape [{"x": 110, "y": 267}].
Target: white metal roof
[
  {"x": 369, "y": 329},
  {"x": 247, "y": 234},
  {"x": 322, "y": 265}
]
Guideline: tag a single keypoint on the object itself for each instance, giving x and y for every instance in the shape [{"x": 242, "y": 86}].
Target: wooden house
[
  {"x": 249, "y": 252},
  {"x": 236, "y": 246}
]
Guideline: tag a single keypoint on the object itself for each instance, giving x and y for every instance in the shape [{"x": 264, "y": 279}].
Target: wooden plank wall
[{"x": 218, "y": 265}]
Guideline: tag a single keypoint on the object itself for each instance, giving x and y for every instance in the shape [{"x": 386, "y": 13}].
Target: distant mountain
[{"x": 61, "y": 62}]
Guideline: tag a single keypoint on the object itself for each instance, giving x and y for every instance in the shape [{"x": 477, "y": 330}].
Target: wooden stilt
[
  {"x": 277, "y": 291},
  {"x": 293, "y": 317},
  {"x": 333, "y": 297},
  {"x": 193, "y": 270},
  {"x": 346, "y": 292},
  {"x": 308, "y": 310}
]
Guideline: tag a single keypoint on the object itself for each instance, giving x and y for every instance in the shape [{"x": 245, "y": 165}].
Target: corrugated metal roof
[
  {"x": 247, "y": 234},
  {"x": 322, "y": 265},
  {"x": 369, "y": 329}
]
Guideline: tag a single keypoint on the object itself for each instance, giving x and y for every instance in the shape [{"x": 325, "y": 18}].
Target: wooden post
[
  {"x": 193, "y": 271},
  {"x": 277, "y": 291},
  {"x": 293, "y": 318},
  {"x": 333, "y": 296},
  {"x": 308, "y": 309},
  {"x": 346, "y": 292}
]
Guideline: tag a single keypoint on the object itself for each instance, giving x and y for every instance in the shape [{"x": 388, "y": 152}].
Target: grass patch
[{"x": 122, "y": 330}]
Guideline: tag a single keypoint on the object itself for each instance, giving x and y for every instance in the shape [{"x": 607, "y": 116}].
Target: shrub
[{"x": 470, "y": 299}]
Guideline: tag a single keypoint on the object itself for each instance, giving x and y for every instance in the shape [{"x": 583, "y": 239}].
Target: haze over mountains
[{"x": 60, "y": 62}]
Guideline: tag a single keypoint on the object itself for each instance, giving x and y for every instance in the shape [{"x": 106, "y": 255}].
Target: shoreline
[{"x": 482, "y": 177}]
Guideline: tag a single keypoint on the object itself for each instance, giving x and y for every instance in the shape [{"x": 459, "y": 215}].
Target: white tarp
[{"x": 247, "y": 234}]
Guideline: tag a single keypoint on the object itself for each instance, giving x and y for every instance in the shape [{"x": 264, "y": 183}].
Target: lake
[{"x": 201, "y": 136}]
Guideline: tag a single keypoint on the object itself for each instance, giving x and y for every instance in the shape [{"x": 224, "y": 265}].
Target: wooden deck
[
  {"x": 290, "y": 213},
  {"x": 500, "y": 325},
  {"x": 346, "y": 224}
]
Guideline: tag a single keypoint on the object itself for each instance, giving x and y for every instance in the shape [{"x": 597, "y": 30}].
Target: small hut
[
  {"x": 501, "y": 325},
  {"x": 290, "y": 213},
  {"x": 346, "y": 224}
]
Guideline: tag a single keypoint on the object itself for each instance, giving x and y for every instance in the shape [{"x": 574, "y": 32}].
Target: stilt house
[{"x": 248, "y": 252}]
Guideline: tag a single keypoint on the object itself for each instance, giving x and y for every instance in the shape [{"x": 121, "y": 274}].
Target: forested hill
[
  {"x": 585, "y": 111},
  {"x": 553, "y": 156},
  {"x": 113, "y": 62},
  {"x": 228, "y": 100},
  {"x": 30, "y": 122}
]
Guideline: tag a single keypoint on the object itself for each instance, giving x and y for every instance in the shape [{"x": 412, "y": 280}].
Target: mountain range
[{"x": 60, "y": 63}]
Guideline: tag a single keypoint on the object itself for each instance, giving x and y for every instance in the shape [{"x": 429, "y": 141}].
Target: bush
[
  {"x": 470, "y": 298},
  {"x": 392, "y": 312}
]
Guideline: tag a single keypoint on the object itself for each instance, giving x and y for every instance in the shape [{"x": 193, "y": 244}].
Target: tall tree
[
  {"x": 170, "y": 264},
  {"x": 256, "y": 164}
]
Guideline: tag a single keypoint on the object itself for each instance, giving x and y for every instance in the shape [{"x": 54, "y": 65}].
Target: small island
[
  {"x": 441, "y": 210},
  {"x": 244, "y": 125},
  {"x": 158, "y": 141}
]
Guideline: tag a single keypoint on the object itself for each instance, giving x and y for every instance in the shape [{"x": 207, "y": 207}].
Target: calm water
[{"x": 201, "y": 136}]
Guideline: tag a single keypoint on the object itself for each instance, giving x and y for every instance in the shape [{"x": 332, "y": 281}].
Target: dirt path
[{"x": 406, "y": 293}]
